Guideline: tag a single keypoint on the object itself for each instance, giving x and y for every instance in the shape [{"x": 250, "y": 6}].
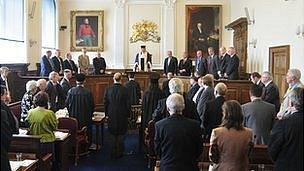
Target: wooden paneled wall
[{"x": 237, "y": 89}]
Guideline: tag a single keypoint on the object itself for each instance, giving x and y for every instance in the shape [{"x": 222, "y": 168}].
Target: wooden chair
[
  {"x": 78, "y": 137},
  {"x": 149, "y": 142},
  {"x": 30, "y": 144}
]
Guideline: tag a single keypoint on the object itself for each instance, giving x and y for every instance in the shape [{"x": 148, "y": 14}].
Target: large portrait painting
[
  {"x": 87, "y": 30},
  {"x": 203, "y": 28}
]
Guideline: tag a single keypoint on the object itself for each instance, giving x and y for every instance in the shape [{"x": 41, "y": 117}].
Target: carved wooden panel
[
  {"x": 240, "y": 38},
  {"x": 279, "y": 57}
]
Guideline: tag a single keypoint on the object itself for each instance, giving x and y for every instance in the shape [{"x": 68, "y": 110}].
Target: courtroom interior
[{"x": 173, "y": 85}]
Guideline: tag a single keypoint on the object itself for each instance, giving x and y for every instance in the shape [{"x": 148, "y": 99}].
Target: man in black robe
[
  {"x": 12, "y": 120},
  {"x": 80, "y": 104},
  {"x": 150, "y": 99},
  {"x": 99, "y": 64},
  {"x": 6, "y": 136},
  {"x": 118, "y": 109},
  {"x": 133, "y": 89}
]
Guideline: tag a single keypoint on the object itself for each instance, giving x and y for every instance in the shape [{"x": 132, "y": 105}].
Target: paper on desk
[
  {"x": 15, "y": 165},
  {"x": 23, "y": 131},
  {"x": 60, "y": 135}
]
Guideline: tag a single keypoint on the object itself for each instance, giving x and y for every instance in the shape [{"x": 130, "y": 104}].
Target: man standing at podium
[{"x": 143, "y": 58}]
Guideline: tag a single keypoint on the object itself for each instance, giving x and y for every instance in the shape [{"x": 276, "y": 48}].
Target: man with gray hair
[
  {"x": 55, "y": 92},
  {"x": 293, "y": 79},
  {"x": 41, "y": 85},
  {"x": 270, "y": 90},
  {"x": 285, "y": 146},
  {"x": 175, "y": 86},
  {"x": 212, "y": 113},
  {"x": 177, "y": 140}
]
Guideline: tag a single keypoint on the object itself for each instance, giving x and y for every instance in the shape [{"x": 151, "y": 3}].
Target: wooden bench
[{"x": 30, "y": 144}]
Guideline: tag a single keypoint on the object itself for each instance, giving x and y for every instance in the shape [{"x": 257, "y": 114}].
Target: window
[
  {"x": 48, "y": 25},
  {"x": 12, "y": 46}
]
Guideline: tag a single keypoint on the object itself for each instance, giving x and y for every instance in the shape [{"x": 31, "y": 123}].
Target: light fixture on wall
[
  {"x": 253, "y": 42},
  {"x": 300, "y": 31},
  {"x": 249, "y": 19},
  {"x": 32, "y": 10},
  {"x": 32, "y": 42}
]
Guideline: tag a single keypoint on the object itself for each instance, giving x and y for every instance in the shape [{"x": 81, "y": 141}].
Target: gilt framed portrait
[
  {"x": 87, "y": 30},
  {"x": 203, "y": 28}
]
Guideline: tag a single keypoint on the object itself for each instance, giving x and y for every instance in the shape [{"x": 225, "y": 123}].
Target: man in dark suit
[
  {"x": 58, "y": 62},
  {"x": 255, "y": 78},
  {"x": 170, "y": 64},
  {"x": 194, "y": 87},
  {"x": 201, "y": 64},
  {"x": 258, "y": 115},
  {"x": 118, "y": 109},
  {"x": 46, "y": 64},
  {"x": 134, "y": 89},
  {"x": 65, "y": 81},
  {"x": 80, "y": 104},
  {"x": 175, "y": 86},
  {"x": 143, "y": 58},
  {"x": 232, "y": 71},
  {"x": 6, "y": 136},
  {"x": 285, "y": 145},
  {"x": 165, "y": 86},
  {"x": 220, "y": 63},
  {"x": 210, "y": 61},
  {"x": 99, "y": 64},
  {"x": 270, "y": 91},
  {"x": 185, "y": 65},
  {"x": 207, "y": 95},
  {"x": 55, "y": 92},
  {"x": 68, "y": 63},
  {"x": 212, "y": 115},
  {"x": 178, "y": 140}
]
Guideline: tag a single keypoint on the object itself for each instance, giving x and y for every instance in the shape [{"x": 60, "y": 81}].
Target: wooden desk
[{"x": 62, "y": 150}]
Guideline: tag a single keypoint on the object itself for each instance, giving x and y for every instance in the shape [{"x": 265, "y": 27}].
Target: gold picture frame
[
  {"x": 87, "y": 30},
  {"x": 211, "y": 18}
]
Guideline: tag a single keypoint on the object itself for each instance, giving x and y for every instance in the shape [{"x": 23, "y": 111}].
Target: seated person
[
  {"x": 99, "y": 64},
  {"x": 178, "y": 140},
  {"x": 43, "y": 122},
  {"x": 41, "y": 85},
  {"x": 27, "y": 101}
]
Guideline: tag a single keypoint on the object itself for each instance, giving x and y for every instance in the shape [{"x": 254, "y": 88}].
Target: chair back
[
  {"x": 135, "y": 118},
  {"x": 16, "y": 109},
  {"x": 70, "y": 124},
  {"x": 149, "y": 137}
]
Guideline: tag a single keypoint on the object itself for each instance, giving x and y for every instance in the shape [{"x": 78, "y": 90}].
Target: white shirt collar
[{"x": 268, "y": 83}]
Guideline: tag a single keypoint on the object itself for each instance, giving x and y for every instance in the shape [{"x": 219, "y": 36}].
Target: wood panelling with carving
[
  {"x": 240, "y": 39},
  {"x": 279, "y": 57}
]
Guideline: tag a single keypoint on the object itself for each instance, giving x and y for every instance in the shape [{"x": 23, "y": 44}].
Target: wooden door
[{"x": 278, "y": 65}]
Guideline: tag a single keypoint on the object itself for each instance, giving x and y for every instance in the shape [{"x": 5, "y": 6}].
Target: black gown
[
  {"x": 150, "y": 100},
  {"x": 6, "y": 136},
  {"x": 134, "y": 91},
  {"x": 80, "y": 104},
  {"x": 117, "y": 108}
]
